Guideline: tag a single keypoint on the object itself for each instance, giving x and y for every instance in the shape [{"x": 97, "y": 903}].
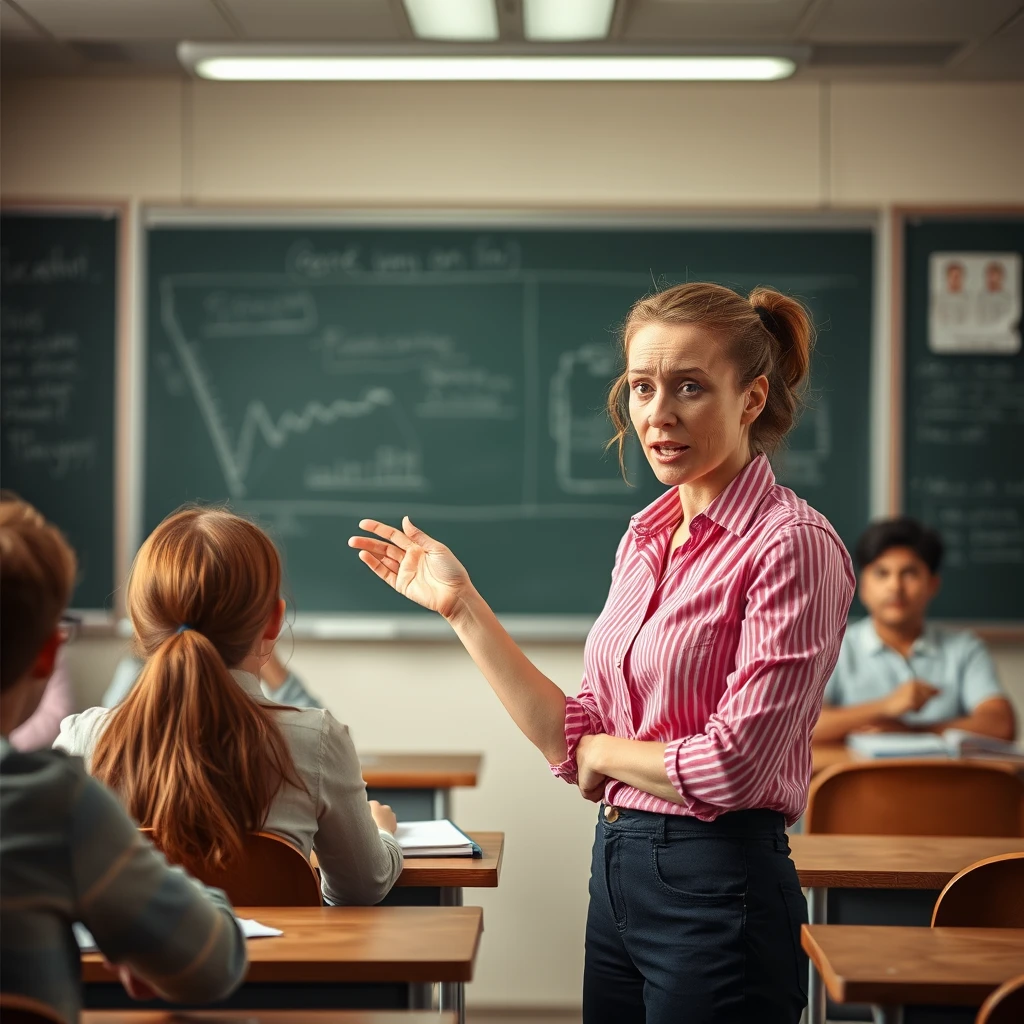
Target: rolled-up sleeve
[
  {"x": 795, "y": 617},
  {"x": 581, "y": 719}
]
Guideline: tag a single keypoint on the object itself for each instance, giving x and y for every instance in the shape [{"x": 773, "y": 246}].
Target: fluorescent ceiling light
[
  {"x": 565, "y": 20},
  {"x": 453, "y": 19},
  {"x": 323, "y": 67}
]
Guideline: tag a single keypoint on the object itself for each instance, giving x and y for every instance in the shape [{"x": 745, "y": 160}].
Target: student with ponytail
[
  {"x": 196, "y": 751},
  {"x": 703, "y": 675}
]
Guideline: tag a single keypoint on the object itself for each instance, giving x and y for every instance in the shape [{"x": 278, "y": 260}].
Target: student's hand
[
  {"x": 133, "y": 984},
  {"x": 417, "y": 566},
  {"x": 384, "y": 816},
  {"x": 590, "y": 781},
  {"x": 910, "y": 696}
]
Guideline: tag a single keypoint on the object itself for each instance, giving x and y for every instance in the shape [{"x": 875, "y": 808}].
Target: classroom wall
[{"x": 782, "y": 146}]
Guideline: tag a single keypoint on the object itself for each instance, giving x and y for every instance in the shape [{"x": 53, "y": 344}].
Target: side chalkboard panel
[
  {"x": 964, "y": 407},
  {"x": 57, "y": 358},
  {"x": 313, "y": 376}
]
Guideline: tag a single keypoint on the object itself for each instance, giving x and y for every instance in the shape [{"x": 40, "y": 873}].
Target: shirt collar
[
  {"x": 733, "y": 509},
  {"x": 248, "y": 682},
  {"x": 926, "y": 643}
]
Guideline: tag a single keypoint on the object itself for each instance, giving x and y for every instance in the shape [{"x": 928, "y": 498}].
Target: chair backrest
[
  {"x": 1005, "y": 1005},
  {"x": 270, "y": 873},
  {"x": 916, "y": 798},
  {"x": 988, "y": 894},
  {"x": 19, "y": 1009}
]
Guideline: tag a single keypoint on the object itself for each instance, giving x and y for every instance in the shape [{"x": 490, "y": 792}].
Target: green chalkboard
[
  {"x": 312, "y": 376},
  {"x": 57, "y": 356},
  {"x": 964, "y": 407}
]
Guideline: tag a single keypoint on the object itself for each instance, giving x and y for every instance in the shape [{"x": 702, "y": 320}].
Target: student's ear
[
  {"x": 275, "y": 622},
  {"x": 42, "y": 667},
  {"x": 934, "y": 586}
]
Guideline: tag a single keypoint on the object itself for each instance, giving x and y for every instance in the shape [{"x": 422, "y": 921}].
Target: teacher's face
[{"x": 686, "y": 405}]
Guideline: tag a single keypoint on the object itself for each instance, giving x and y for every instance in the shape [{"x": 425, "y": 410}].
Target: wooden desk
[
  {"x": 339, "y": 957},
  {"x": 890, "y": 862},
  {"x": 266, "y": 1017},
  {"x": 891, "y": 966},
  {"x": 825, "y": 755},
  {"x": 417, "y": 786},
  {"x": 457, "y": 872},
  {"x": 879, "y": 862}
]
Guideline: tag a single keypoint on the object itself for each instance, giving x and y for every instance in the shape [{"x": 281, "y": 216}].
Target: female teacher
[{"x": 703, "y": 674}]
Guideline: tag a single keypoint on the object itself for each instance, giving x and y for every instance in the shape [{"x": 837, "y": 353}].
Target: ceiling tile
[
  {"x": 688, "y": 21},
  {"x": 923, "y": 21},
  {"x": 129, "y": 19},
  {"x": 14, "y": 26},
  {"x": 1001, "y": 57},
  {"x": 318, "y": 20}
]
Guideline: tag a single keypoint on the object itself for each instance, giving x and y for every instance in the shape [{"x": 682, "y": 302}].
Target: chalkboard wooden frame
[
  {"x": 999, "y": 632},
  {"x": 424, "y": 626},
  {"x": 102, "y": 620}
]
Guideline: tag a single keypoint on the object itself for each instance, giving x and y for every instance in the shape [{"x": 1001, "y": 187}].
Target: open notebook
[{"x": 435, "y": 839}]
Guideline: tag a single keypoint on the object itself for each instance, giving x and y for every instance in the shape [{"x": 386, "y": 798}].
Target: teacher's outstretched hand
[{"x": 417, "y": 566}]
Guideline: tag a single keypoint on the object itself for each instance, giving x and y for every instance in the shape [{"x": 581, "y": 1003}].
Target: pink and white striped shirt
[{"x": 721, "y": 649}]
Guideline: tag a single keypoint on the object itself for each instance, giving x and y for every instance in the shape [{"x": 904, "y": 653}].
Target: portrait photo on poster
[{"x": 974, "y": 302}]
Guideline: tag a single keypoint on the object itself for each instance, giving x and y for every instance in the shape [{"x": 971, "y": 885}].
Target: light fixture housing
[
  {"x": 462, "y": 20},
  {"x": 251, "y": 62},
  {"x": 567, "y": 20}
]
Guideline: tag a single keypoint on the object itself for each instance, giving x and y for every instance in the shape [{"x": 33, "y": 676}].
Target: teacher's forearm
[
  {"x": 535, "y": 703},
  {"x": 637, "y": 763}
]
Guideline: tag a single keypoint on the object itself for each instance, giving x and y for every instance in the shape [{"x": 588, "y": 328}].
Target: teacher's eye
[
  {"x": 641, "y": 387},
  {"x": 690, "y": 387}
]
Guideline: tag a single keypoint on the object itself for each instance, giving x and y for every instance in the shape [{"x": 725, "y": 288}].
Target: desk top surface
[
  {"x": 896, "y": 965},
  {"x": 350, "y": 944},
  {"x": 420, "y": 771},
  {"x": 825, "y": 755},
  {"x": 891, "y": 862},
  {"x": 266, "y": 1017}
]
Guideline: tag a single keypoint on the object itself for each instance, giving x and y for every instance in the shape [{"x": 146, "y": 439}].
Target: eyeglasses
[{"x": 69, "y": 626}]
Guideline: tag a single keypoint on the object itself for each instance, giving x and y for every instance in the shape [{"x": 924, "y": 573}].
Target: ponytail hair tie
[
  {"x": 767, "y": 321},
  {"x": 183, "y": 627}
]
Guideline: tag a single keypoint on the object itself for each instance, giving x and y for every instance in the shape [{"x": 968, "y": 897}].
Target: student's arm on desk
[
  {"x": 993, "y": 717},
  {"x": 154, "y": 921},
  {"x": 359, "y": 862},
  {"x": 836, "y": 723}
]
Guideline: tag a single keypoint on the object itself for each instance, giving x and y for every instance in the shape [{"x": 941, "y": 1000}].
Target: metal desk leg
[
  {"x": 442, "y": 803},
  {"x": 453, "y": 993},
  {"x": 817, "y": 910},
  {"x": 421, "y": 996},
  {"x": 887, "y": 1014}
]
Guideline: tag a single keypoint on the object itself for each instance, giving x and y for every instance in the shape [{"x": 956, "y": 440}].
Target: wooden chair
[
  {"x": 18, "y": 1009},
  {"x": 916, "y": 798},
  {"x": 1005, "y": 1005},
  {"x": 988, "y": 894},
  {"x": 270, "y": 873}
]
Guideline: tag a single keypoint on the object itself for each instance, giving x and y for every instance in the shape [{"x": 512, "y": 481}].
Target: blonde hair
[
  {"x": 190, "y": 753},
  {"x": 767, "y": 334},
  {"x": 37, "y": 577}
]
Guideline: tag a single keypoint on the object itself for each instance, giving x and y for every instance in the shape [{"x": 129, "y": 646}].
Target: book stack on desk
[
  {"x": 435, "y": 839},
  {"x": 950, "y": 743}
]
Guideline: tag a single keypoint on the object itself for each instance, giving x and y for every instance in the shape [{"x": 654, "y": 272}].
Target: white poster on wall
[{"x": 974, "y": 302}]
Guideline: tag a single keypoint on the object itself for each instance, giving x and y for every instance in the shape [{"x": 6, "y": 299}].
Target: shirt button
[{"x": 611, "y": 814}]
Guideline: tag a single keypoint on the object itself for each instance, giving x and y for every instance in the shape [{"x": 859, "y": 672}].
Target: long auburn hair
[{"x": 188, "y": 751}]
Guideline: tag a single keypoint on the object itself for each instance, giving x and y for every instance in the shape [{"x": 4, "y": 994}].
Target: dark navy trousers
[{"x": 693, "y": 922}]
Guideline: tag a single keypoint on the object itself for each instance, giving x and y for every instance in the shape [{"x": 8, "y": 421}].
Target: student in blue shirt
[{"x": 895, "y": 672}]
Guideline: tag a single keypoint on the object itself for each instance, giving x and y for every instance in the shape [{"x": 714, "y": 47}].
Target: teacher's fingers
[
  {"x": 388, "y": 533},
  {"x": 388, "y": 575},
  {"x": 376, "y": 547}
]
